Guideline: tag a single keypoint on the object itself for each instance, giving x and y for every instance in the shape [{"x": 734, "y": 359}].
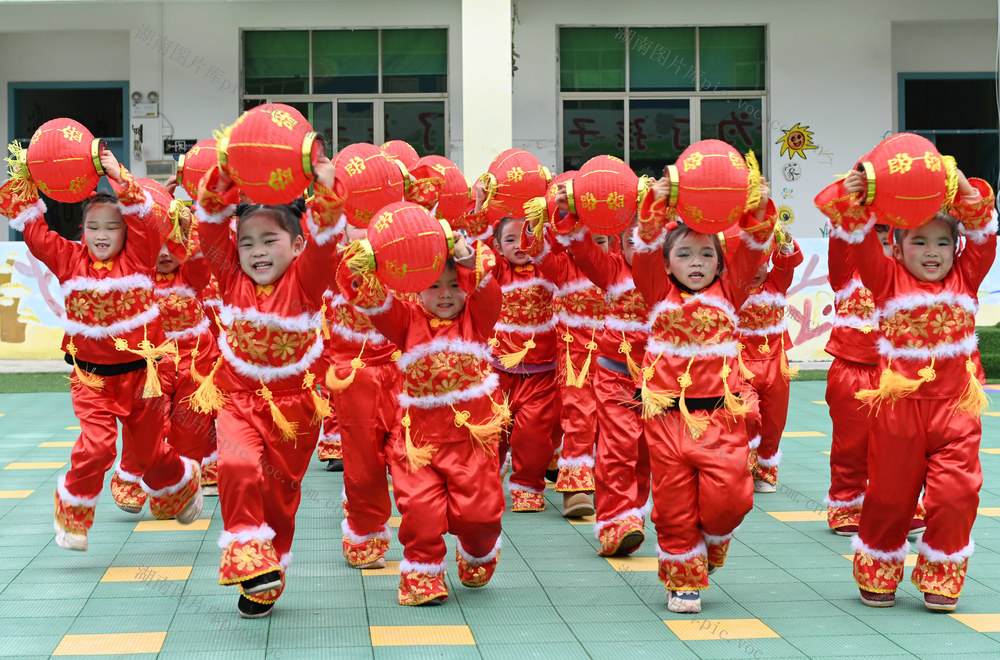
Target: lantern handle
[
  {"x": 308, "y": 143},
  {"x": 96, "y": 147},
  {"x": 449, "y": 236},
  {"x": 570, "y": 198},
  {"x": 180, "y": 169},
  {"x": 673, "y": 176},
  {"x": 866, "y": 168},
  {"x": 404, "y": 171}
]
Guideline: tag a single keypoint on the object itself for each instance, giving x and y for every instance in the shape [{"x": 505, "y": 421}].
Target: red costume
[
  {"x": 114, "y": 337},
  {"x": 926, "y": 427},
  {"x": 445, "y": 469},
  {"x": 269, "y": 425}
]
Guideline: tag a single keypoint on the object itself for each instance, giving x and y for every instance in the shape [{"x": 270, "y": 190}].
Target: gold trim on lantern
[
  {"x": 569, "y": 196},
  {"x": 449, "y": 236},
  {"x": 951, "y": 179},
  {"x": 307, "y": 147},
  {"x": 180, "y": 169},
  {"x": 548, "y": 175},
  {"x": 675, "y": 185},
  {"x": 406, "y": 173},
  {"x": 489, "y": 186},
  {"x": 221, "y": 149},
  {"x": 869, "y": 171},
  {"x": 95, "y": 154}
]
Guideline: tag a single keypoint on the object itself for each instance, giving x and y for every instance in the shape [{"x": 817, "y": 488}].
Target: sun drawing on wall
[{"x": 796, "y": 141}]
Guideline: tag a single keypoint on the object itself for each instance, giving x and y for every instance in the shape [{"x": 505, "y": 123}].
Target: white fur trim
[
  {"x": 568, "y": 239},
  {"x": 855, "y": 322},
  {"x": 285, "y": 561},
  {"x": 181, "y": 291},
  {"x": 211, "y": 302},
  {"x": 222, "y": 217},
  {"x": 262, "y": 533},
  {"x": 385, "y": 534},
  {"x": 765, "y": 298},
  {"x": 381, "y": 309},
  {"x": 919, "y": 300},
  {"x": 937, "y": 556},
  {"x": 266, "y": 373},
  {"x": 713, "y": 539},
  {"x": 897, "y": 555},
  {"x": 333, "y": 437},
  {"x": 777, "y": 329},
  {"x": 327, "y": 234},
  {"x": 371, "y": 336},
  {"x": 843, "y": 504},
  {"x": 601, "y": 524},
  {"x": 343, "y": 494},
  {"x": 448, "y": 345},
  {"x": 170, "y": 490},
  {"x": 774, "y": 461},
  {"x": 621, "y": 287},
  {"x": 697, "y": 299},
  {"x": 575, "y": 286},
  {"x": 755, "y": 441},
  {"x": 577, "y": 461},
  {"x": 546, "y": 250},
  {"x": 486, "y": 388},
  {"x": 194, "y": 331},
  {"x": 528, "y": 283},
  {"x": 576, "y": 321},
  {"x": 848, "y": 290},
  {"x": 525, "y": 329},
  {"x": 753, "y": 244},
  {"x": 211, "y": 458},
  {"x": 139, "y": 209},
  {"x": 854, "y": 237},
  {"x": 728, "y": 349},
  {"x": 700, "y": 550},
  {"x": 642, "y": 246},
  {"x": 407, "y": 566},
  {"x": 478, "y": 561},
  {"x": 127, "y": 477},
  {"x": 940, "y": 351},
  {"x": 979, "y": 236},
  {"x": 107, "y": 284},
  {"x": 30, "y": 214},
  {"x": 73, "y": 500},
  {"x": 74, "y": 328},
  {"x": 299, "y": 323},
  {"x": 511, "y": 486},
  {"x": 615, "y": 324}
]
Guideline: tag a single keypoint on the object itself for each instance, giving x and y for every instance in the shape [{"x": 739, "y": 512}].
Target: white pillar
[{"x": 487, "y": 106}]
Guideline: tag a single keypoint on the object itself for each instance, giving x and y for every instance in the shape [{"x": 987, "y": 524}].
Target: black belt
[
  {"x": 107, "y": 369},
  {"x": 614, "y": 365},
  {"x": 709, "y": 403}
]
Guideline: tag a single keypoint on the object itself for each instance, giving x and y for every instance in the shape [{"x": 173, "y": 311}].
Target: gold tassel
[
  {"x": 321, "y": 406},
  {"x": 417, "y": 457},
  {"x": 653, "y": 403},
  {"x": 93, "y": 381},
  {"x": 289, "y": 430},
  {"x": 894, "y": 386},
  {"x": 753, "y": 182},
  {"x": 744, "y": 369},
  {"x": 973, "y": 399},
  {"x": 570, "y": 376},
  {"x": 766, "y": 346},
  {"x": 626, "y": 348},
  {"x": 591, "y": 346},
  {"x": 17, "y": 170},
  {"x": 151, "y": 387},
  {"x": 511, "y": 360},
  {"x": 788, "y": 372},
  {"x": 951, "y": 179},
  {"x": 326, "y": 324},
  {"x": 536, "y": 213},
  {"x": 486, "y": 434},
  {"x": 697, "y": 425},
  {"x": 176, "y": 227},
  {"x": 195, "y": 376},
  {"x": 208, "y": 398},
  {"x": 336, "y": 384},
  {"x": 734, "y": 404}
]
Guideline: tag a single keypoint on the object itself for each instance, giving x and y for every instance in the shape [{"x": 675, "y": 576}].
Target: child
[
  {"x": 926, "y": 426},
  {"x": 111, "y": 319},
  {"x": 330, "y": 448},
  {"x": 764, "y": 340},
  {"x": 366, "y": 385},
  {"x": 272, "y": 292},
  {"x": 694, "y": 424},
  {"x": 445, "y": 468}
]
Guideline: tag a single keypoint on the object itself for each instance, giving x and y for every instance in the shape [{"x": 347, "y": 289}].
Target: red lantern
[
  {"x": 712, "y": 185},
  {"x": 453, "y": 199},
  {"x": 372, "y": 180},
  {"x": 908, "y": 180},
  {"x": 195, "y": 163},
  {"x": 270, "y": 152},
  {"x": 64, "y": 160},
  {"x": 514, "y": 177},
  {"x": 604, "y": 195},
  {"x": 403, "y": 152},
  {"x": 544, "y": 208},
  {"x": 408, "y": 247}
]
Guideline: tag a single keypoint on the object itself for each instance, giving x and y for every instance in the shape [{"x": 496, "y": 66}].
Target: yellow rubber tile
[
  {"x": 45, "y": 465},
  {"x": 170, "y": 526},
  {"x": 991, "y": 414},
  {"x": 391, "y": 568},
  {"x": 59, "y": 443},
  {"x": 146, "y": 573},
  {"x": 394, "y": 521},
  {"x": 701, "y": 629},
  {"x": 633, "y": 564},
  {"x": 421, "y": 636},
  {"x": 147, "y": 642},
  {"x": 549, "y": 486},
  {"x": 984, "y": 623},
  {"x": 991, "y": 450},
  {"x": 820, "y": 403},
  {"x": 989, "y": 511},
  {"x": 911, "y": 559},
  {"x": 584, "y": 520},
  {"x": 823, "y": 451},
  {"x": 798, "y": 516},
  {"x": 2, "y": 414},
  {"x": 14, "y": 494},
  {"x": 803, "y": 434},
  {"x": 72, "y": 428}
]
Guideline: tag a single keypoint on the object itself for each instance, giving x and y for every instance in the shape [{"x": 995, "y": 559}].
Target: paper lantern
[
  {"x": 908, "y": 180},
  {"x": 403, "y": 152},
  {"x": 270, "y": 152},
  {"x": 604, "y": 195},
  {"x": 371, "y": 179},
  {"x": 407, "y": 247},
  {"x": 64, "y": 160},
  {"x": 545, "y": 208},
  {"x": 514, "y": 177},
  {"x": 453, "y": 200},
  {"x": 195, "y": 163},
  {"x": 712, "y": 185}
]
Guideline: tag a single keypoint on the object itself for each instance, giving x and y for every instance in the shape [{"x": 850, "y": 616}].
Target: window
[
  {"x": 355, "y": 85},
  {"x": 645, "y": 94}
]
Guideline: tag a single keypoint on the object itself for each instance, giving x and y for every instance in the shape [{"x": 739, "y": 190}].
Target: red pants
[
  {"x": 622, "y": 466},
  {"x": 330, "y": 446},
  {"x": 578, "y": 419},
  {"x": 367, "y": 411},
  {"x": 459, "y": 493},
  {"x": 914, "y": 443},
  {"x": 142, "y": 436},
  {"x": 852, "y": 423},
  {"x": 191, "y": 433},
  {"x": 772, "y": 389},
  {"x": 533, "y": 408},
  {"x": 260, "y": 474}
]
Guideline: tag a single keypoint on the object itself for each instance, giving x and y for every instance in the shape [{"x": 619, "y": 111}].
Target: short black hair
[
  {"x": 100, "y": 197},
  {"x": 683, "y": 230},
  {"x": 504, "y": 221},
  {"x": 289, "y": 216},
  {"x": 942, "y": 216}
]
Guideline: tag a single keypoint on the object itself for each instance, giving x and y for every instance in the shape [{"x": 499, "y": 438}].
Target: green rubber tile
[
  {"x": 21, "y": 647},
  {"x": 129, "y": 606},
  {"x": 215, "y": 640},
  {"x": 342, "y": 653},
  {"x": 551, "y": 564},
  {"x": 508, "y": 580},
  {"x": 47, "y": 591},
  {"x": 541, "y": 651},
  {"x": 736, "y": 574},
  {"x": 225, "y": 619},
  {"x": 770, "y": 591},
  {"x": 521, "y": 633},
  {"x": 618, "y": 650},
  {"x": 743, "y": 648},
  {"x": 244, "y": 654},
  {"x": 763, "y": 608},
  {"x": 41, "y": 626},
  {"x": 617, "y": 614},
  {"x": 487, "y": 597},
  {"x": 286, "y": 617},
  {"x": 91, "y": 625},
  {"x": 946, "y": 643},
  {"x": 645, "y": 631},
  {"x": 610, "y": 596},
  {"x": 23, "y": 608},
  {"x": 569, "y": 579},
  {"x": 846, "y": 646},
  {"x": 426, "y": 652},
  {"x": 386, "y": 614},
  {"x": 789, "y": 627},
  {"x": 320, "y": 638},
  {"x": 512, "y": 616}
]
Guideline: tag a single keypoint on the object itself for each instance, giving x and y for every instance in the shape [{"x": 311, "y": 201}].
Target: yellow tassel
[
  {"x": 494, "y": 342},
  {"x": 697, "y": 425},
  {"x": 744, "y": 369},
  {"x": 753, "y": 182},
  {"x": 734, "y": 404},
  {"x": 536, "y": 213},
  {"x": 766, "y": 346},
  {"x": 417, "y": 457},
  {"x": 175, "y": 213},
  {"x": 289, "y": 430},
  {"x": 951, "y": 179},
  {"x": 208, "y": 398},
  {"x": 151, "y": 387},
  {"x": 581, "y": 378},
  {"x": 321, "y": 406},
  {"x": 973, "y": 399},
  {"x": 195, "y": 376},
  {"x": 511, "y": 360},
  {"x": 17, "y": 170},
  {"x": 653, "y": 403},
  {"x": 894, "y": 386},
  {"x": 359, "y": 258},
  {"x": 326, "y": 324},
  {"x": 487, "y": 434},
  {"x": 336, "y": 384},
  {"x": 93, "y": 381},
  {"x": 626, "y": 348},
  {"x": 788, "y": 372},
  {"x": 570, "y": 376}
]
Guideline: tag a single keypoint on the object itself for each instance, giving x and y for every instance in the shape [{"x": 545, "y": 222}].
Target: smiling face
[
  {"x": 444, "y": 299},
  {"x": 694, "y": 260},
  {"x": 928, "y": 251},
  {"x": 104, "y": 231},
  {"x": 165, "y": 261},
  {"x": 266, "y": 249},
  {"x": 761, "y": 274},
  {"x": 508, "y": 243}
]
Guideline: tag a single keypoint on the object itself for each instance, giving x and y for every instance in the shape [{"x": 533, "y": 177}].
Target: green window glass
[
  {"x": 320, "y": 117},
  {"x": 414, "y": 61},
  {"x": 421, "y": 123},
  {"x": 659, "y": 130},
  {"x": 732, "y": 58},
  {"x": 355, "y": 123},
  {"x": 661, "y": 59},
  {"x": 591, "y": 128},
  {"x": 592, "y": 59},
  {"x": 276, "y": 62},
  {"x": 345, "y": 62},
  {"x": 736, "y": 121}
]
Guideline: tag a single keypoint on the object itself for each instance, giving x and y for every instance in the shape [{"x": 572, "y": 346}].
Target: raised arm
[
  {"x": 649, "y": 268},
  {"x": 325, "y": 218},
  {"x": 217, "y": 200},
  {"x": 784, "y": 266},
  {"x": 977, "y": 222},
  {"x": 756, "y": 230},
  {"x": 27, "y": 215},
  {"x": 475, "y": 277}
]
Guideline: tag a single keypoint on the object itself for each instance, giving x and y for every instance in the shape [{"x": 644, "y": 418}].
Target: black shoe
[
  {"x": 552, "y": 475},
  {"x": 335, "y": 465},
  {"x": 261, "y": 583},
  {"x": 252, "y": 610}
]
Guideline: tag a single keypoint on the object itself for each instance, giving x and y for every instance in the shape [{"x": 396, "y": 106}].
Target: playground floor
[{"x": 148, "y": 588}]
